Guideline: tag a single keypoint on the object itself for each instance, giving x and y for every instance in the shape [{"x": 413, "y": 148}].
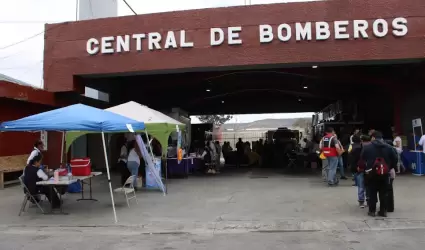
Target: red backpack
[{"x": 380, "y": 167}]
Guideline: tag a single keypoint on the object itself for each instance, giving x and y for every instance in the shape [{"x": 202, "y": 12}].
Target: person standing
[
  {"x": 341, "y": 160},
  {"x": 355, "y": 133},
  {"x": 36, "y": 151},
  {"x": 122, "y": 162},
  {"x": 366, "y": 140},
  {"x": 209, "y": 156},
  {"x": 354, "y": 157},
  {"x": 133, "y": 161},
  {"x": 345, "y": 143},
  {"x": 217, "y": 156},
  {"x": 331, "y": 150},
  {"x": 38, "y": 147},
  {"x": 398, "y": 145},
  {"x": 240, "y": 149},
  {"x": 325, "y": 166},
  {"x": 380, "y": 162}
]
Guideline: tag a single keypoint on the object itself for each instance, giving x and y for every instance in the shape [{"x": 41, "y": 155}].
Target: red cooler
[{"x": 81, "y": 167}]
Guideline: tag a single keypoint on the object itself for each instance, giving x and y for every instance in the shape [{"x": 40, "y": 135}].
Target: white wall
[{"x": 92, "y": 9}]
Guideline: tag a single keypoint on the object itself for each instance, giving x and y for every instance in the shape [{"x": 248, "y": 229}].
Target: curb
[{"x": 225, "y": 227}]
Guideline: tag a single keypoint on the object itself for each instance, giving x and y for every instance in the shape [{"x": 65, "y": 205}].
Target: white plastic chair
[
  {"x": 28, "y": 196},
  {"x": 128, "y": 190}
]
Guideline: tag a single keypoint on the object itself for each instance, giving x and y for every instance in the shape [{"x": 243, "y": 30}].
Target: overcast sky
[{"x": 21, "y": 19}]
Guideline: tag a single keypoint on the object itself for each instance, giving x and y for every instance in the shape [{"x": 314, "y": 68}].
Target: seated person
[{"x": 33, "y": 174}]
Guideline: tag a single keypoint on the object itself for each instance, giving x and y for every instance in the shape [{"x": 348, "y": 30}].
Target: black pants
[
  {"x": 51, "y": 196},
  {"x": 345, "y": 160},
  {"x": 378, "y": 186},
  {"x": 390, "y": 198},
  {"x": 122, "y": 166}
]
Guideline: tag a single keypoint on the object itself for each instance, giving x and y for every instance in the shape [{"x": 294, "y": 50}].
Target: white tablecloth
[{"x": 64, "y": 180}]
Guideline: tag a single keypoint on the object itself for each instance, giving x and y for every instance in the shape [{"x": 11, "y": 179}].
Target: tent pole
[
  {"x": 166, "y": 175},
  {"x": 62, "y": 147},
  {"x": 109, "y": 177},
  {"x": 150, "y": 146}
]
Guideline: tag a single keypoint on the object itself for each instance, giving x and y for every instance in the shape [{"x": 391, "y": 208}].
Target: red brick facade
[{"x": 66, "y": 55}]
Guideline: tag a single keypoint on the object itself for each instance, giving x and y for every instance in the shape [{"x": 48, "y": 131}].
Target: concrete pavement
[
  {"x": 248, "y": 204},
  {"x": 108, "y": 240}
]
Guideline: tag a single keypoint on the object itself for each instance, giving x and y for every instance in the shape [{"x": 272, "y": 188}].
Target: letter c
[{"x": 92, "y": 46}]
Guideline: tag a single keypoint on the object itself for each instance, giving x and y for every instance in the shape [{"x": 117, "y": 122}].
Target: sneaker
[
  {"x": 213, "y": 171},
  {"x": 209, "y": 171},
  {"x": 361, "y": 204},
  {"x": 343, "y": 178}
]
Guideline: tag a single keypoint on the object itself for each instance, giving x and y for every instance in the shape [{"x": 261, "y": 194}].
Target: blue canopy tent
[{"x": 77, "y": 117}]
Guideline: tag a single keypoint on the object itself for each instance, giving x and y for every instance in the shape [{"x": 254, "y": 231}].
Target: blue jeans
[
  {"x": 341, "y": 166},
  {"x": 355, "y": 179},
  {"x": 332, "y": 165},
  {"x": 133, "y": 167},
  {"x": 360, "y": 187}
]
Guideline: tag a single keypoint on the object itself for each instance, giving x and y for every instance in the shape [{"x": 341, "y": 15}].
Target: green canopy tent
[{"x": 157, "y": 124}]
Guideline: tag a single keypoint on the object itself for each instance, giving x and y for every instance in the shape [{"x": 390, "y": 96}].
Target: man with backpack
[
  {"x": 331, "y": 149},
  {"x": 380, "y": 162}
]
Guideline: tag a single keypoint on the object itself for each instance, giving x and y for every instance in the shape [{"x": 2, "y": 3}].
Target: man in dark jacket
[
  {"x": 375, "y": 152},
  {"x": 354, "y": 156}
]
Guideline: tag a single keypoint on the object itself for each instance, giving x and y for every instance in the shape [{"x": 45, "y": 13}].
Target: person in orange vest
[{"x": 331, "y": 150}]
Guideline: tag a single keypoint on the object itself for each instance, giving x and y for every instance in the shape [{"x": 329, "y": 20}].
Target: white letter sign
[
  {"x": 376, "y": 28},
  {"x": 303, "y": 33},
  {"x": 183, "y": 42},
  {"x": 341, "y": 30},
  {"x": 233, "y": 35},
  {"x": 107, "y": 45},
  {"x": 213, "y": 36},
  {"x": 92, "y": 46},
  {"x": 322, "y": 31},
  {"x": 266, "y": 33}
]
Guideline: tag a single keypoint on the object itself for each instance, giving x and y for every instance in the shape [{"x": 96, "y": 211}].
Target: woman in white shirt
[
  {"x": 133, "y": 161},
  {"x": 399, "y": 148},
  {"x": 122, "y": 162}
]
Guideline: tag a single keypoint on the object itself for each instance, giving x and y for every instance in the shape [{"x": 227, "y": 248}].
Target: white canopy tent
[
  {"x": 157, "y": 124},
  {"x": 139, "y": 112}
]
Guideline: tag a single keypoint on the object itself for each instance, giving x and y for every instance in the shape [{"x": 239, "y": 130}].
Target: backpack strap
[{"x": 330, "y": 141}]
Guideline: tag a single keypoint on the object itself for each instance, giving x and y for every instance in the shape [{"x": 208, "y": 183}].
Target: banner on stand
[
  {"x": 150, "y": 165},
  {"x": 179, "y": 145},
  {"x": 417, "y": 130}
]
